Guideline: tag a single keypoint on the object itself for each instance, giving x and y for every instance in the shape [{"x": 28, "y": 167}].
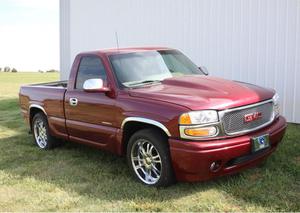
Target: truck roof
[{"x": 113, "y": 51}]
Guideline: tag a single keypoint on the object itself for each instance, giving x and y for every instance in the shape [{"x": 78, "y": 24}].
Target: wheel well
[
  {"x": 34, "y": 111},
  {"x": 132, "y": 127}
]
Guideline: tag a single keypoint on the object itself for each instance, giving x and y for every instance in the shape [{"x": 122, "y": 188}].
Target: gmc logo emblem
[{"x": 252, "y": 116}]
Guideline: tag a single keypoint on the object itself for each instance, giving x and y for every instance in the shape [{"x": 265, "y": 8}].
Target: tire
[
  {"x": 41, "y": 134},
  {"x": 148, "y": 158}
]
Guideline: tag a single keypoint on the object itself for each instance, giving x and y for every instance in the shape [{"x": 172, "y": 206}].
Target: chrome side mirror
[
  {"x": 94, "y": 85},
  {"x": 204, "y": 70}
]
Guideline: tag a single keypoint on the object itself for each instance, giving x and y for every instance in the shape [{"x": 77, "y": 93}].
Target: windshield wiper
[{"x": 143, "y": 82}]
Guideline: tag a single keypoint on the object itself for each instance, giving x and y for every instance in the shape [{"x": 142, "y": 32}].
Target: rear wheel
[
  {"x": 148, "y": 158},
  {"x": 41, "y": 134}
]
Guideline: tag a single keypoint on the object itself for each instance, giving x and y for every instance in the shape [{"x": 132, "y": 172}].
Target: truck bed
[
  {"x": 49, "y": 97},
  {"x": 63, "y": 84}
]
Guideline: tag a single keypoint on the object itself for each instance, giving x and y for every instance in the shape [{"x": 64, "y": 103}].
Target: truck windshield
[{"x": 135, "y": 69}]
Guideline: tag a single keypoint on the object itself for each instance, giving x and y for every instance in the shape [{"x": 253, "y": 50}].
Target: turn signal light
[
  {"x": 201, "y": 132},
  {"x": 185, "y": 119}
]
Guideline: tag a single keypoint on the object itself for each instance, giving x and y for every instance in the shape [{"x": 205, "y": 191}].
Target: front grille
[{"x": 234, "y": 123}]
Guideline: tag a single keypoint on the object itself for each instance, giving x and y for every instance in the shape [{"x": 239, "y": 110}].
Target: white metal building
[{"x": 256, "y": 41}]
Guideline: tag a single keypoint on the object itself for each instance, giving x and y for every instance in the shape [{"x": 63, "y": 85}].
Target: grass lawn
[{"x": 78, "y": 178}]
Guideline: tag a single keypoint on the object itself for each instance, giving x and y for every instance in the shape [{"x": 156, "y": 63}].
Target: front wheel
[{"x": 148, "y": 158}]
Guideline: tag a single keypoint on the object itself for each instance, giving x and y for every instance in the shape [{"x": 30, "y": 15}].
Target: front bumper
[{"x": 192, "y": 159}]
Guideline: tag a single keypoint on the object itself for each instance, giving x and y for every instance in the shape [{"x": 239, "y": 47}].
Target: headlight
[
  {"x": 276, "y": 99},
  {"x": 276, "y": 105},
  {"x": 199, "y": 117}
]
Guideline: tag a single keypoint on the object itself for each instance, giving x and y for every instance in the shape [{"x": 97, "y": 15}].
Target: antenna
[{"x": 117, "y": 39}]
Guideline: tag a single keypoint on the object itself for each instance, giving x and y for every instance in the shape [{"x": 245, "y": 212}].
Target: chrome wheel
[
  {"x": 146, "y": 161},
  {"x": 40, "y": 133}
]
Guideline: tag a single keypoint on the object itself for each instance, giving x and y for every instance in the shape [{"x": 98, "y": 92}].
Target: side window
[{"x": 90, "y": 67}]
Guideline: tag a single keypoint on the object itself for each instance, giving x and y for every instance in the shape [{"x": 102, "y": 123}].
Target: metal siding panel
[
  {"x": 290, "y": 52},
  {"x": 256, "y": 41},
  {"x": 64, "y": 16},
  {"x": 269, "y": 75},
  {"x": 296, "y": 73}
]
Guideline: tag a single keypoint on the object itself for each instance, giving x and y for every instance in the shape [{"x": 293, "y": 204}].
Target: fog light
[
  {"x": 201, "y": 132},
  {"x": 215, "y": 166}
]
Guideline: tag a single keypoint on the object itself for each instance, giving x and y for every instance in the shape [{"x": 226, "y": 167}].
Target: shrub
[
  {"x": 52, "y": 70},
  {"x": 14, "y": 70}
]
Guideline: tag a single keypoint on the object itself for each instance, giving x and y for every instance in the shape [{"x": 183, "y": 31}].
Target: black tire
[
  {"x": 49, "y": 142},
  {"x": 160, "y": 148}
]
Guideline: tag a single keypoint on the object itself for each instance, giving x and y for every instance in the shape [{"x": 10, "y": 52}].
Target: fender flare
[
  {"x": 38, "y": 107},
  {"x": 147, "y": 121}
]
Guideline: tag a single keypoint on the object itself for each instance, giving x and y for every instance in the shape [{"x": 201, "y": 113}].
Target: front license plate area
[{"x": 261, "y": 142}]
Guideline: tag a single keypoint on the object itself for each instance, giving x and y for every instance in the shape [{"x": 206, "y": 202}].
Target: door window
[{"x": 90, "y": 67}]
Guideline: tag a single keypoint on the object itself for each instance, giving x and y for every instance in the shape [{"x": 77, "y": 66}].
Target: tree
[
  {"x": 6, "y": 69},
  {"x": 0, "y": 69},
  {"x": 14, "y": 70}
]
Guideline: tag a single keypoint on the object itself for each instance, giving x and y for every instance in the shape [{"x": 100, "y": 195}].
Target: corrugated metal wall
[{"x": 256, "y": 41}]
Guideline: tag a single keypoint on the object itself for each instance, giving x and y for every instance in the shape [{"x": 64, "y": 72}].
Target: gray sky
[{"x": 29, "y": 34}]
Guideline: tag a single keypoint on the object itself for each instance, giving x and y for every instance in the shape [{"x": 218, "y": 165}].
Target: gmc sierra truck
[{"x": 156, "y": 107}]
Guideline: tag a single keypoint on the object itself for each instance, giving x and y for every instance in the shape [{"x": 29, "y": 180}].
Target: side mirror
[
  {"x": 94, "y": 85},
  {"x": 204, "y": 70}
]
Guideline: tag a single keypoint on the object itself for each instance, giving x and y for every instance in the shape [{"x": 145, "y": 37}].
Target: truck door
[{"x": 89, "y": 116}]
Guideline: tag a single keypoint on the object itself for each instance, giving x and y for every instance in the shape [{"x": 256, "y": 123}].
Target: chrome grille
[{"x": 233, "y": 120}]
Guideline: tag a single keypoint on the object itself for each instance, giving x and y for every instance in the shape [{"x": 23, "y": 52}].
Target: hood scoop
[
  {"x": 203, "y": 83},
  {"x": 203, "y": 92}
]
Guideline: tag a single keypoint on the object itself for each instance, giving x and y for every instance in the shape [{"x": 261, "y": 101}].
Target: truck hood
[{"x": 203, "y": 92}]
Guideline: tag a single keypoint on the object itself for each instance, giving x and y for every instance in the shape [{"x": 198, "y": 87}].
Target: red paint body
[{"x": 98, "y": 117}]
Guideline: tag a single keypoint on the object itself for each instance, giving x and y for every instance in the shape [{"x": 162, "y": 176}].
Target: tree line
[{"x": 8, "y": 69}]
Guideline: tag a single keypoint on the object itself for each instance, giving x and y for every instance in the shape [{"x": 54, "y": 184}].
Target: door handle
[{"x": 73, "y": 101}]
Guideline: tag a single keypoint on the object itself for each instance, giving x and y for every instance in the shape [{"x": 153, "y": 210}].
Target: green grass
[{"x": 78, "y": 178}]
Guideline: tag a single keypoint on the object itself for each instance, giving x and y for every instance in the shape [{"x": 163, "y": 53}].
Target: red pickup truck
[{"x": 166, "y": 115}]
